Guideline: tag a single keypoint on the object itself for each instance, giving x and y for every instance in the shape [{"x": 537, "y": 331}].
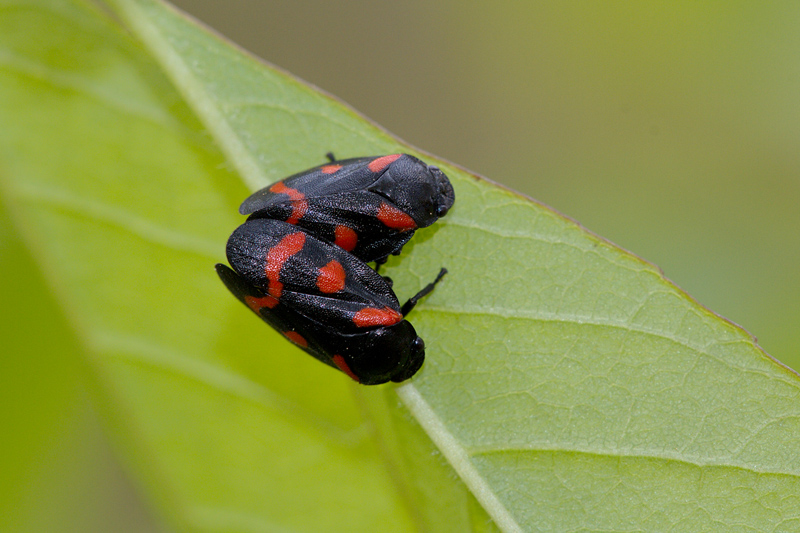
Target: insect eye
[{"x": 418, "y": 345}]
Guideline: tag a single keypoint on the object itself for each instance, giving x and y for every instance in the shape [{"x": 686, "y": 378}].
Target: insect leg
[{"x": 409, "y": 305}]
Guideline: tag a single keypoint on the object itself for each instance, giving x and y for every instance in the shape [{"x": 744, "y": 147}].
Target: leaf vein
[
  {"x": 115, "y": 215},
  {"x": 537, "y": 316},
  {"x": 91, "y": 89},
  {"x": 691, "y": 461}
]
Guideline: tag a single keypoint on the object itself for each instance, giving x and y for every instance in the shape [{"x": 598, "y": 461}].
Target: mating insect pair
[{"x": 300, "y": 260}]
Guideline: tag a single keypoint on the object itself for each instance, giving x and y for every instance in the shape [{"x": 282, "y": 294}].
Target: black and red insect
[
  {"x": 368, "y": 206},
  {"x": 325, "y": 300}
]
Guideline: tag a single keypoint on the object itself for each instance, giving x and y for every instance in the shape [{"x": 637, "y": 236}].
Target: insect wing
[
  {"x": 367, "y": 206},
  {"x": 350, "y": 175},
  {"x": 360, "y": 222},
  {"x": 288, "y": 323},
  {"x": 371, "y": 357},
  {"x": 317, "y": 279}
]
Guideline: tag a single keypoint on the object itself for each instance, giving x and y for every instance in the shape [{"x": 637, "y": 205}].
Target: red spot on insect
[
  {"x": 331, "y": 278},
  {"x": 296, "y": 338},
  {"x": 281, "y": 188},
  {"x": 394, "y": 218},
  {"x": 372, "y": 316},
  {"x": 346, "y": 238},
  {"x": 256, "y": 304},
  {"x": 376, "y": 165},
  {"x": 341, "y": 364},
  {"x": 330, "y": 169},
  {"x": 299, "y": 204},
  {"x": 277, "y": 257},
  {"x": 299, "y": 208}
]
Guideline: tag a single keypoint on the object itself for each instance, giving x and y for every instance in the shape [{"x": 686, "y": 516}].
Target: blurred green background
[{"x": 669, "y": 128}]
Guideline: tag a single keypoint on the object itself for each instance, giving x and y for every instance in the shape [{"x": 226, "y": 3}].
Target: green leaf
[
  {"x": 567, "y": 384},
  {"x": 127, "y": 204}
]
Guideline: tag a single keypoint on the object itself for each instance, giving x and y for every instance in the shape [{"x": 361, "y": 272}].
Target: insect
[
  {"x": 325, "y": 300},
  {"x": 368, "y": 206}
]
